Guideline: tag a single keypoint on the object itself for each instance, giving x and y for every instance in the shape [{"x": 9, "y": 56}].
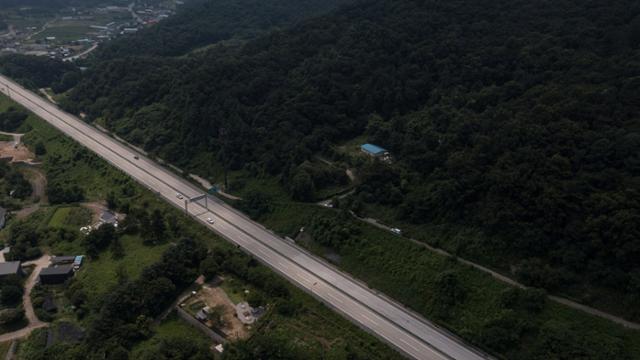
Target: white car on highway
[
  {"x": 210, "y": 220},
  {"x": 179, "y": 196}
]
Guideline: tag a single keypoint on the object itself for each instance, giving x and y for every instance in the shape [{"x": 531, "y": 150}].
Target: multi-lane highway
[{"x": 412, "y": 335}]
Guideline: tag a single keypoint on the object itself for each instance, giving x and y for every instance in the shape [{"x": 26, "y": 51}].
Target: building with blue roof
[
  {"x": 374, "y": 150},
  {"x": 77, "y": 262}
]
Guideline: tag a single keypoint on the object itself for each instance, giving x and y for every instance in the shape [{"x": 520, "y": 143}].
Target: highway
[{"x": 411, "y": 334}]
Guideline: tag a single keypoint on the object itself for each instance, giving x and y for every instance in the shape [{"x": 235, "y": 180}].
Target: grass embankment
[
  {"x": 410, "y": 273},
  {"x": 172, "y": 327}
]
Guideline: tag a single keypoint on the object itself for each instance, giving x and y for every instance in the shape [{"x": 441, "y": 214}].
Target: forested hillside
[
  {"x": 204, "y": 22},
  {"x": 516, "y": 118},
  {"x": 37, "y": 72}
]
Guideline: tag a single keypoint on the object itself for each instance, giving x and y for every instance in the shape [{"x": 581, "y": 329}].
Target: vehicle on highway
[
  {"x": 396, "y": 231},
  {"x": 136, "y": 157},
  {"x": 179, "y": 196},
  {"x": 210, "y": 220}
]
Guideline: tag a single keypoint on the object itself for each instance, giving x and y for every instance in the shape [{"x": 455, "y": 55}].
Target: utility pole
[{"x": 225, "y": 156}]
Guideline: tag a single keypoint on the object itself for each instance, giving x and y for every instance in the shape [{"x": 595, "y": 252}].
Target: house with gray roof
[
  {"x": 56, "y": 274},
  {"x": 11, "y": 268}
]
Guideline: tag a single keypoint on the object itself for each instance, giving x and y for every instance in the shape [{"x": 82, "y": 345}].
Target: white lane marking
[
  {"x": 305, "y": 278},
  {"x": 335, "y": 298},
  {"x": 369, "y": 319},
  {"x": 408, "y": 344}
]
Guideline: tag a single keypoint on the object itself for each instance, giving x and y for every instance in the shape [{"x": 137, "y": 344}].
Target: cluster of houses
[{"x": 19, "y": 39}]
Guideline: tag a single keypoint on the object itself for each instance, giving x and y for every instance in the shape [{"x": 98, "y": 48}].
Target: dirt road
[
  {"x": 38, "y": 181},
  {"x": 34, "y": 322}
]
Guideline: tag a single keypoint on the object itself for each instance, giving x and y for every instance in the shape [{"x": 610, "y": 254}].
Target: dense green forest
[
  {"x": 38, "y": 72},
  {"x": 516, "y": 118}
]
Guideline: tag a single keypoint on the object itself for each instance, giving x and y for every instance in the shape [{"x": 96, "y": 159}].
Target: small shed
[
  {"x": 57, "y": 274},
  {"x": 61, "y": 260},
  {"x": 77, "y": 262},
  {"x": 107, "y": 217}
]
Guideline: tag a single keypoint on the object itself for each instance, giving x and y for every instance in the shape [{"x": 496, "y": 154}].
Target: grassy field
[
  {"x": 98, "y": 275},
  {"x": 171, "y": 327},
  {"x": 65, "y": 33},
  {"x": 59, "y": 217},
  {"x": 70, "y": 217},
  {"x": 234, "y": 289}
]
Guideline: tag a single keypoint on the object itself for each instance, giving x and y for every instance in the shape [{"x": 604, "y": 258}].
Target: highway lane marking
[
  {"x": 369, "y": 319},
  {"x": 335, "y": 298},
  {"x": 305, "y": 278},
  {"x": 408, "y": 344}
]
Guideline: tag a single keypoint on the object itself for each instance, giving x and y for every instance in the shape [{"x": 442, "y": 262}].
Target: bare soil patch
[
  {"x": 17, "y": 152},
  {"x": 214, "y": 296}
]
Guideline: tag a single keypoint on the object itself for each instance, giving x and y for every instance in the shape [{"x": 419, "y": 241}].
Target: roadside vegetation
[{"x": 134, "y": 272}]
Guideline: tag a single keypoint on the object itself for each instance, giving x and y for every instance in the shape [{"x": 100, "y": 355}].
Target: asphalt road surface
[{"x": 406, "y": 331}]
